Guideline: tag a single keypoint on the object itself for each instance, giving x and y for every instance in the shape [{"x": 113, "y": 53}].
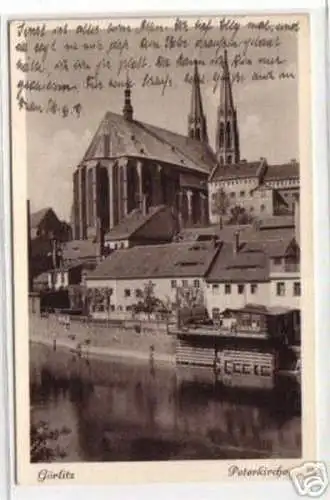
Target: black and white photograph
[{"x": 161, "y": 181}]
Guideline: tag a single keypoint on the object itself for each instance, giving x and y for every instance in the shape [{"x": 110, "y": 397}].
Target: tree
[
  {"x": 239, "y": 216},
  {"x": 44, "y": 443},
  {"x": 220, "y": 204},
  {"x": 148, "y": 303}
]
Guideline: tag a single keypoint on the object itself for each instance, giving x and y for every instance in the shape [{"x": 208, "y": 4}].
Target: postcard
[{"x": 162, "y": 249}]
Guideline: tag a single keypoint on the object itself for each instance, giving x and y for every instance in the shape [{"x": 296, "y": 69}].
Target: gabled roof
[
  {"x": 254, "y": 169},
  {"x": 258, "y": 232},
  {"x": 243, "y": 266},
  {"x": 284, "y": 171},
  {"x": 250, "y": 263},
  {"x": 38, "y": 216},
  {"x": 156, "y": 261},
  {"x": 76, "y": 250},
  {"x": 134, "y": 221},
  {"x": 236, "y": 171},
  {"x": 118, "y": 137},
  {"x": 278, "y": 248}
]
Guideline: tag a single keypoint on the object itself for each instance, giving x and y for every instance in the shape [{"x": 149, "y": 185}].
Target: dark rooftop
[
  {"x": 37, "y": 217},
  {"x": 151, "y": 261},
  {"x": 237, "y": 170},
  {"x": 132, "y": 223},
  {"x": 279, "y": 172},
  {"x": 134, "y": 138}
]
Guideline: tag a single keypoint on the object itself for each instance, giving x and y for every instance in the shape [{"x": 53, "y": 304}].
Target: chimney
[{"x": 236, "y": 242}]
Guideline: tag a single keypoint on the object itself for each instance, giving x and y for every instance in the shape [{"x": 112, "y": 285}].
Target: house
[
  {"x": 158, "y": 225},
  {"x": 285, "y": 181},
  {"x": 45, "y": 233},
  {"x": 169, "y": 268},
  {"x": 81, "y": 252},
  {"x": 45, "y": 224},
  {"x": 261, "y": 189},
  {"x": 254, "y": 270}
]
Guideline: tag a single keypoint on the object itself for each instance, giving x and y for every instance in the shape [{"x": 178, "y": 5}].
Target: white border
[{"x": 248, "y": 489}]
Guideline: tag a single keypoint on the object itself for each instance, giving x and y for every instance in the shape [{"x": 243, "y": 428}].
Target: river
[{"x": 128, "y": 410}]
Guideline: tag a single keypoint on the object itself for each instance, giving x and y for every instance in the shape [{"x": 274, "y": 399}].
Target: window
[
  {"x": 277, "y": 261},
  {"x": 227, "y": 288},
  {"x": 214, "y": 195},
  {"x": 242, "y": 193},
  {"x": 127, "y": 292},
  {"x": 251, "y": 209},
  {"x": 112, "y": 307},
  {"x": 232, "y": 195},
  {"x": 120, "y": 308},
  {"x": 173, "y": 283},
  {"x": 296, "y": 289},
  {"x": 229, "y": 160},
  {"x": 128, "y": 308},
  {"x": 262, "y": 208},
  {"x": 138, "y": 293},
  {"x": 184, "y": 283},
  {"x": 280, "y": 289},
  {"x": 253, "y": 288},
  {"x": 240, "y": 289},
  {"x": 215, "y": 288},
  {"x": 196, "y": 283}
]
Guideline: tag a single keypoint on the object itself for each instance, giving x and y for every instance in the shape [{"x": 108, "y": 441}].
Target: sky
[{"x": 267, "y": 111}]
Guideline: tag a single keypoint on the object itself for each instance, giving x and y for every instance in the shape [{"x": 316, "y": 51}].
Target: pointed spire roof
[
  {"x": 197, "y": 122},
  {"x": 196, "y": 97},
  {"x": 227, "y": 135},
  {"x": 226, "y": 94}
]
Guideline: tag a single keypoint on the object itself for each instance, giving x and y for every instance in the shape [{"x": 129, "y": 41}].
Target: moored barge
[{"x": 252, "y": 347}]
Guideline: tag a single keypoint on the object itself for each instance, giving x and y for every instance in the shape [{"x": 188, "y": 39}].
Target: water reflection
[{"x": 127, "y": 411}]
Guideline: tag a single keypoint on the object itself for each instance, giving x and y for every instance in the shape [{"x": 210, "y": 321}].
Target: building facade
[
  {"x": 252, "y": 268},
  {"x": 133, "y": 165}
]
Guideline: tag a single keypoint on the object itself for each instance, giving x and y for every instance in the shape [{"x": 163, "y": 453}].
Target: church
[{"x": 132, "y": 165}]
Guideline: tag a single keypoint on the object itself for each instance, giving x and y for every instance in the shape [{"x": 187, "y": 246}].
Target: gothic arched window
[
  {"x": 221, "y": 135},
  {"x": 228, "y": 135}
]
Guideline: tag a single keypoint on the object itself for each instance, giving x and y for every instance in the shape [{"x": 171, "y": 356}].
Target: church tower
[
  {"x": 227, "y": 139},
  {"x": 128, "y": 108},
  {"x": 197, "y": 128}
]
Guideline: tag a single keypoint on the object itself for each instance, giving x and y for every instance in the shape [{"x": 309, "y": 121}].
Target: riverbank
[
  {"x": 103, "y": 341},
  {"x": 102, "y": 352}
]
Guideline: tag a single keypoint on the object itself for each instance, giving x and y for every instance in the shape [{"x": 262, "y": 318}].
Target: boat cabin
[{"x": 273, "y": 322}]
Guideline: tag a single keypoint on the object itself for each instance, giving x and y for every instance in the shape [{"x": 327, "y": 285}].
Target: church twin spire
[{"x": 227, "y": 137}]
